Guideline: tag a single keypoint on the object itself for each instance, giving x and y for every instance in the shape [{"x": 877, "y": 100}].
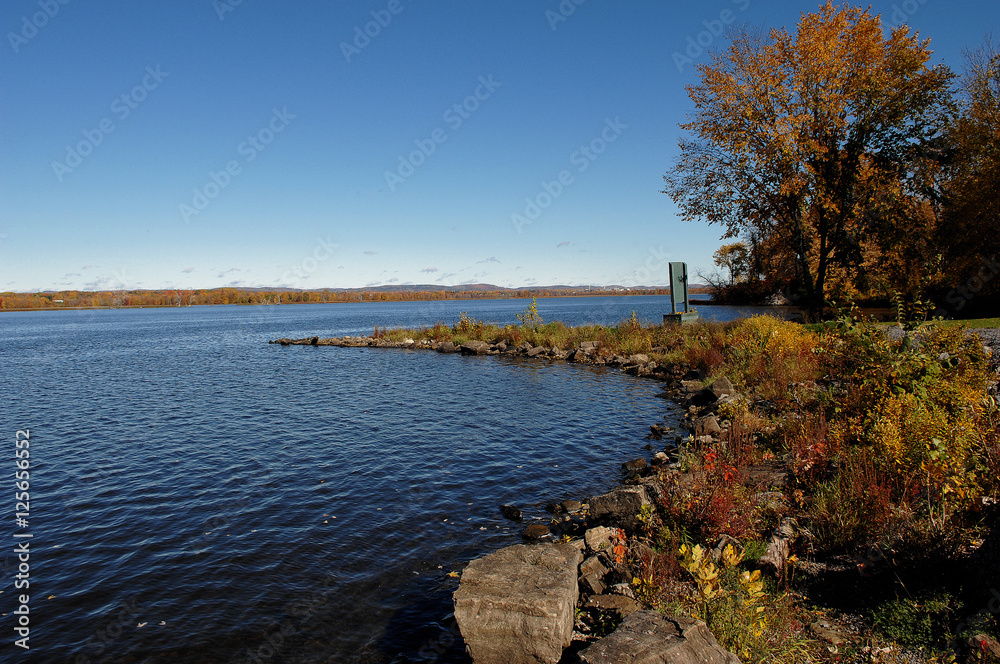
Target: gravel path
[{"x": 990, "y": 337}]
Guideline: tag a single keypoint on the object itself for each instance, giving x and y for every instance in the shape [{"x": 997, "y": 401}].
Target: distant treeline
[{"x": 183, "y": 298}]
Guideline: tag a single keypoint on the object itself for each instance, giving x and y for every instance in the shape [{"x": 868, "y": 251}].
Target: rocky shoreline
[
  {"x": 568, "y": 594},
  {"x": 587, "y": 352},
  {"x": 528, "y": 602}
]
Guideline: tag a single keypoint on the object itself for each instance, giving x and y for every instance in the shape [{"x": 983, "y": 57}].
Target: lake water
[{"x": 198, "y": 495}]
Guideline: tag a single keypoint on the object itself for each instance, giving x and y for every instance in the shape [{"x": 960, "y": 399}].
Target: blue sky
[{"x": 196, "y": 144}]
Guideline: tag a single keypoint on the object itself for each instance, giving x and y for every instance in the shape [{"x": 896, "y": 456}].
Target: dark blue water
[{"x": 198, "y": 495}]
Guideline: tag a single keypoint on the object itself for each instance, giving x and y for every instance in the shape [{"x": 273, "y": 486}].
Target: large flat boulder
[
  {"x": 517, "y": 605},
  {"x": 647, "y": 637}
]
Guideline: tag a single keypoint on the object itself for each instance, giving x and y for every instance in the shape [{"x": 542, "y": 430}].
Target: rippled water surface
[{"x": 248, "y": 502}]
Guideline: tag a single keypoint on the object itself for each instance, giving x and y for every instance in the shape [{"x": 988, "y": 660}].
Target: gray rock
[
  {"x": 535, "y": 531},
  {"x": 590, "y": 346},
  {"x": 722, "y": 387},
  {"x": 511, "y": 512},
  {"x": 707, "y": 426},
  {"x": 571, "y": 505},
  {"x": 623, "y": 589},
  {"x": 691, "y": 386},
  {"x": 640, "y": 358},
  {"x": 537, "y": 350},
  {"x": 702, "y": 398},
  {"x": 517, "y": 605},
  {"x": 592, "y": 573},
  {"x": 620, "y": 506},
  {"x": 616, "y": 360},
  {"x": 447, "y": 347},
  {"x": 646, "y": 637},
  {"x": 625, "y": 606},
  {"x": 985, "y": 645},
  {"x": 569, "y": 525},
  {"x": 598, "y": 539},
  {"x": 474, "y": 348},
  {"x": 634, "y": 465}
]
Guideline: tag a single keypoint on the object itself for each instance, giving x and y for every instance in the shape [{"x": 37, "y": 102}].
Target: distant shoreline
[{"x": 366, "y": 297}]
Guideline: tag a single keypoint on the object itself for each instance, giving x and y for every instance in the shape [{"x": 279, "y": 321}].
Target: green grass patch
[{"x": 973, "y": 323}]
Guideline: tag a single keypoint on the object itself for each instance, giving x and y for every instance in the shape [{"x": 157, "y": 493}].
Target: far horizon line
[{"x": 401, "y": 288}]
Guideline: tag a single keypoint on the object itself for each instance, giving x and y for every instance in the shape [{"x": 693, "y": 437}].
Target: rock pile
[
  {"x": 518, "y": 605},
  {"x": 586, "y": 352}
]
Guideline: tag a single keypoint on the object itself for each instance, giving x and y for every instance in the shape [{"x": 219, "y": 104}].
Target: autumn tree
[
  {"x": 808, "y": 141},
  {"x": 734, "y": 258},
  {"x": 969, "y": 232}
]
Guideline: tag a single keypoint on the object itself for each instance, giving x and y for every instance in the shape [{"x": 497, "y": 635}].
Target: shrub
[
  {"x": 530, "y": 318},
  {"x": 924, "y": 622},
  {"x": 745, "y": 618},
  {"x": 911, "y": 404},
  {"x": 766, "y": 355},
  {"x": 855, "y": 507}
]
